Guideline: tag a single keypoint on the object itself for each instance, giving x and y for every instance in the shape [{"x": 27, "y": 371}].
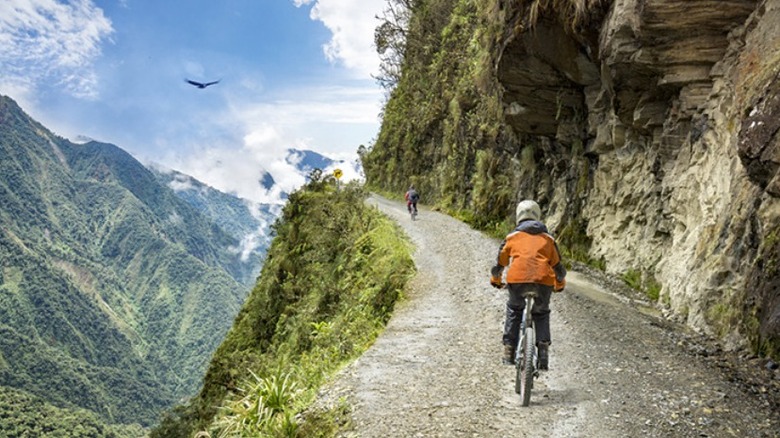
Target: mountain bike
[
  {"x": 413, "y": 212},
  {"x": 525, "y": 352}
]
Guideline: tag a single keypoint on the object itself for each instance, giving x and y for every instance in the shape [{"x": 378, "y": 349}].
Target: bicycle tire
[
  {"x": 525, "y": 367},
  {"x": 519, "y": 348}
]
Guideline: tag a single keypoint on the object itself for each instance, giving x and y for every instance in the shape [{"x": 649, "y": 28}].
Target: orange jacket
[{"x": 532, "y": 256}]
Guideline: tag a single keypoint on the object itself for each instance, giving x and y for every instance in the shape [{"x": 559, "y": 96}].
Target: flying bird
[{"x": 201, "y": 84}]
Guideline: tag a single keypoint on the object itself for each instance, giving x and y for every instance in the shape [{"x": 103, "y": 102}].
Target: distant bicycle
[
  {"x": 525, "y": 353},
  {"x": 414, "y": 213}
]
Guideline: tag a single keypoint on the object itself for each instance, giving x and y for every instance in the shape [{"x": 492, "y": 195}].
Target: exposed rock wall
[{"x": 677, "y": 104}]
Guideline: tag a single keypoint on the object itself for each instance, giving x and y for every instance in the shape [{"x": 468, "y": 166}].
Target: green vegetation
[
  {"x": 772, "y": 265},
  {"x": 113, "y": 291},
  {"x": 443, "y": 125},
  {"x": 24, "y": 415},
  {"x": 437, "y": 109},
  {"x": 723, "y": 316},
  {"x": 653, "y": 288},
  {"x": 572, "y": 12},
  {"x": 633, "y": 278},
  {"x": 331, "y": 278},
  {"x": 266, "y": 409},
  {"x": 761, "y": 292},
  {"x": 574, "y": 244},
  {"x": 643, "y": 282}
]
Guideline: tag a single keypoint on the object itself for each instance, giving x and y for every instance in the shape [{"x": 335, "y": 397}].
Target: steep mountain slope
[
  {"x": 114, "y": 292},
  {"x": 246, "y": 222},
  {"x": 646, "y": 129}
]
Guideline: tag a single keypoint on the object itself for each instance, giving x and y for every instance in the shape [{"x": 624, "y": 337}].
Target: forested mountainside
[
  {"x": 647, "y": 130},
  {"x": 329, "y": 282},
  {"x": 114, "y": 292},
  {"x": 25, "y": 415}
]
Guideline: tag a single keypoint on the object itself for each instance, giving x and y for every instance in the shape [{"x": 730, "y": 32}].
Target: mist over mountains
[
  {"x": 248, "y": 223},
  {"x": 117, "y": 280}
]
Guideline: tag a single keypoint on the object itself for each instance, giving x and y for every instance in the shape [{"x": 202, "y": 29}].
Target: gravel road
[{"x": 616, "y": 370}]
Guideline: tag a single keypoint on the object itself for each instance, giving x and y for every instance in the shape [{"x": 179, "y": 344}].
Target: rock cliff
[
  {"x": 675, "y": 105},
  {"x": 646, "y": 129}
]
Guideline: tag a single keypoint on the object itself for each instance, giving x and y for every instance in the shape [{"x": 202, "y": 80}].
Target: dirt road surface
[{"x": 615, "y": 371}]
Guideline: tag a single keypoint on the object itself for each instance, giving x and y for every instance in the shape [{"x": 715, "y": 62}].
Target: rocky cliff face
[{"x": 674, "y": 108}]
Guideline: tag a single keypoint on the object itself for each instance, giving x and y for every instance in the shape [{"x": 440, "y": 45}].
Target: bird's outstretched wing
[
  {"x": 201, "y": 84},
  {"x": 197, "y": 84}
]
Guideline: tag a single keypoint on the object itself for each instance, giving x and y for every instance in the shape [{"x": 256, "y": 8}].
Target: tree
[{"x": 390, "y": 41}]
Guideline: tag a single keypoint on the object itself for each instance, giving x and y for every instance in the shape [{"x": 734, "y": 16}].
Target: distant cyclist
[
  {"x": 411, "y": 198},
  {"x": 534, "y": 264}
]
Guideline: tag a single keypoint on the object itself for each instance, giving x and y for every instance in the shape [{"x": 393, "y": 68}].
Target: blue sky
[{"x": 293, "y": 74}]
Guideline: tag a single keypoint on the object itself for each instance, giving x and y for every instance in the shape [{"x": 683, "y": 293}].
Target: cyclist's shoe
[
  {"x": 509, "y": 355},
  {"x": 544, "y": 356}
]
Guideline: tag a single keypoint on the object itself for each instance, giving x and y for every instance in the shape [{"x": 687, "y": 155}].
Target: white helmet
[{"x": 528, "y": 210}]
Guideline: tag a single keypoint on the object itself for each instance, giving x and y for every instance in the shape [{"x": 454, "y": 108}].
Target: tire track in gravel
[{"x": 614, "y": 371}]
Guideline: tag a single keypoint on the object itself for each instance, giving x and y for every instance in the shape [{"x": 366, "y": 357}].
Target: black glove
[{"x": 496, "y": 282}]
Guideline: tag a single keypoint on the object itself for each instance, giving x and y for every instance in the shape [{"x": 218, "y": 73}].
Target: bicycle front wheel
[{"x": 524, "y": 380}]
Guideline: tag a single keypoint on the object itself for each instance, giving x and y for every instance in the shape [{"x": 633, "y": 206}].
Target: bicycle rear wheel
[{"x": 524, "y": 380}]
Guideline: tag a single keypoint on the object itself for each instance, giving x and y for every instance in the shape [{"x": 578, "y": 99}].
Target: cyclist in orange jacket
[{"x": 534, "y": 263}]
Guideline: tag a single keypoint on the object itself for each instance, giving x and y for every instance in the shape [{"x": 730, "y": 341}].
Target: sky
[{"x": 292, "y": 74}]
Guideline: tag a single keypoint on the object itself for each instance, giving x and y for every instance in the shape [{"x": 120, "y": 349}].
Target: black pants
[{"x": 515, "y": 306}]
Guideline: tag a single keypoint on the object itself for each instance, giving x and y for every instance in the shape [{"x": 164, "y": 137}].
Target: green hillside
[
  {"x": 32, "y": 417},
  {"x": 114, "y": 292},
  {"x": 330, "y": 280}
]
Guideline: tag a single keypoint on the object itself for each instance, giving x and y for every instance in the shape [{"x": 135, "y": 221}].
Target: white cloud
[
  {"x": 302, "y": 119},
  {"x": 250, "y": 243},
  {"x": 352, "y": 24},
  {"x": 182, "y": 183},
  {"x": 51, "y": 41},
  {"x": 324, "y": 105}
]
